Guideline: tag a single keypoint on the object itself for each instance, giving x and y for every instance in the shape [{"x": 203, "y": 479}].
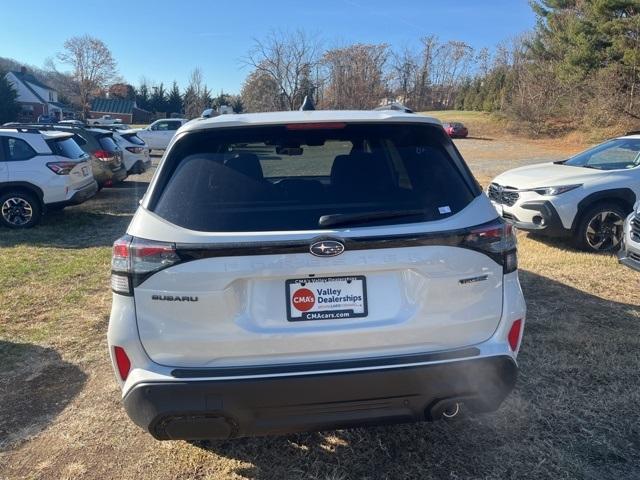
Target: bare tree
[
  {"x": 290, "y": 60},
  {"x": 93, "y": 66},
  {"x": 194, "y": 95},
  {"x": 356, "y": 76}
]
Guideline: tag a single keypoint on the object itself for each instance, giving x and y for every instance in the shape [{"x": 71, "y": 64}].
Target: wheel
[
  {"x": 19, "y": 209},
  {"x": 601, "y": 228}
]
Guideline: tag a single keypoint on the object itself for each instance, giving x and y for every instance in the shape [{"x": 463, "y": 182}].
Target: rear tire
[
  {"x": 601, "y": 228},
  {"x": 19, "y": 209}
]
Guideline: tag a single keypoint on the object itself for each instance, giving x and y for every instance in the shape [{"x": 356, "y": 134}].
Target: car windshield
[
  {"x": 616, "y": 154},
  {"x": 280, "y": 178}
]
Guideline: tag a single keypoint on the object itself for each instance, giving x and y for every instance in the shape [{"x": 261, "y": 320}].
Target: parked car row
[{"x": 45, "y": 167}]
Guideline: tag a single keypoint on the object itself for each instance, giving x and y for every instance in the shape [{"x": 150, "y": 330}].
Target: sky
[{"x": 164, "y": 40}]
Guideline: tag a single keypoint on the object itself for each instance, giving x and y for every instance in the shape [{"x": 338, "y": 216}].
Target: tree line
[
  {"x": 580, "y": 66},
  {"x": 288, "y": 66}
]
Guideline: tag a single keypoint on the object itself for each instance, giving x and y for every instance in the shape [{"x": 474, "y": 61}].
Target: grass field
[{"x": 574, "y": 413}]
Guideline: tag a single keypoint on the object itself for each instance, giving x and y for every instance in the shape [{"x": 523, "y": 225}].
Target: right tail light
[{"x": 496, "y": 239}]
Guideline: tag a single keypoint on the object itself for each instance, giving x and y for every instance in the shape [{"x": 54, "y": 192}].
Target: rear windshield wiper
[{"x": 349, "y": 218}]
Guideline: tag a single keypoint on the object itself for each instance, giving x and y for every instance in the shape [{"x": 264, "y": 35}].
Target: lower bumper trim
[
  {"x": 627, "y": 261},
  {"x": 279, "y": 405}
]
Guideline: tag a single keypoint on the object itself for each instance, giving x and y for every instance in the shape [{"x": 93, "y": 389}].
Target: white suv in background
[
  {"x": 158, "y": 135},
  {"x": 312, "y": 270},
  {"x": 629, "y": 253},
  {"x": 40, "y": 171},
  {"x": 586, "y": 197}
]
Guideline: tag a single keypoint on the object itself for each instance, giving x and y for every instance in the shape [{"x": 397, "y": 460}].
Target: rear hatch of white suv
[{"x": 306, "y": 242}]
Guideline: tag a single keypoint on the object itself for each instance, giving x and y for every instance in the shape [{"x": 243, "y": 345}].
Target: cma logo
[{"x": 171, "y": 298}]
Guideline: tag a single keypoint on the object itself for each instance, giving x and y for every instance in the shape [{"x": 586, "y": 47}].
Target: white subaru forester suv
[
  {"x": 586, "y": 197},
  {"x": 40, "y": 171},
  {"x": 312, "y": 270}
]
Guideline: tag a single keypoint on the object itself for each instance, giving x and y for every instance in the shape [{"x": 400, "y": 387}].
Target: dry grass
[{"x": 573, "y": 414}]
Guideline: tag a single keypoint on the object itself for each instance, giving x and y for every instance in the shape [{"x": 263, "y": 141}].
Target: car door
[
  {"x": 4, "y": 165},
  {"x": 154, "y": 136}
]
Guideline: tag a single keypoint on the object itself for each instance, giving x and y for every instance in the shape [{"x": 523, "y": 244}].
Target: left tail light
[
  {"x": 134, "y": 260},
  {"x": 135, "y": 149}
]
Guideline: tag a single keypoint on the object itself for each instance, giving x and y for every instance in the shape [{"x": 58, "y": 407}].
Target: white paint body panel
[{"x": 415, "y": 301}]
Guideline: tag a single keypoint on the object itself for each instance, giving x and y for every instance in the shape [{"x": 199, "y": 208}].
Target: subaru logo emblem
[{"x": 326, "y": 248}]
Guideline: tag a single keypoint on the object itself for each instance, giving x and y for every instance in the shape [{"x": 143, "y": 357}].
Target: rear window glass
[
  {"x": 133, "y": 138},
  {"x": 276, "y": 178},
  {"x": 108, "y": 144},
  {"x": 67, "y": 147}
]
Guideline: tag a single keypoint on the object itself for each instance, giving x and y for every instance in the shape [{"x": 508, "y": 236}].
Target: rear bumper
[
  {"x": 140, "y": 166},
  {"x": 226, "y": 408},
  {"x": 79, "y": 196},
  {"x": 120, "y": 174}
]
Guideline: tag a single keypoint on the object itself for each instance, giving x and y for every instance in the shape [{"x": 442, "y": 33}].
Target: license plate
[{"x": 326, "y": 298}]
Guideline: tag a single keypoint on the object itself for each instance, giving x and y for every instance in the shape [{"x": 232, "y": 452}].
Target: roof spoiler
[{"x": 397, "y": 106}]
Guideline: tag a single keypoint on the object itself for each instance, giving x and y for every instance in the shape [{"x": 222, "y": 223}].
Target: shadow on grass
[
  {"x": 95, "y": 223},
  {"x": 35, "y": 386},
  {"x": 574, "y": 413}
]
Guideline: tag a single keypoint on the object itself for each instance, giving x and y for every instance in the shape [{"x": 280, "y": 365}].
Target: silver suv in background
[{"x": 311, "y": 270}]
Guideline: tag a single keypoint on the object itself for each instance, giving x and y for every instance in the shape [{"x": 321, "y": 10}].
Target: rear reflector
[
  {"x": 122, "y": 362},
  {"x": 514, "y": 334},
  {"x": 316, "y": 126}
]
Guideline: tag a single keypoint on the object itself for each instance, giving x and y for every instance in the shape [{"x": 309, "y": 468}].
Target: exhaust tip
[
  {"x": 446, "y": 409},
  {"x": 451, "y": 411}
]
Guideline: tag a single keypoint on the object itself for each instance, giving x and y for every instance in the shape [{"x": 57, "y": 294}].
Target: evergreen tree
[
  {"x": 207, "y": 100},
  {"x": 174, "y": 100},
  {"x": 142, "y": 97},
  {"x": 9, "y": 107},
  {"x": 159, "y": 99}
]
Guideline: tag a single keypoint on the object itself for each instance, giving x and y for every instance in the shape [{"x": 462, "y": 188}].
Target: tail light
[
  {"x": 135, "y": 149},
  {"x": 496, "y": 239},
  {"x": 122, "y": 362},
  {"x": 103, "y": 155},
  {"x": 134, "y": 260},
  {"x": 61, "y": 168}
]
